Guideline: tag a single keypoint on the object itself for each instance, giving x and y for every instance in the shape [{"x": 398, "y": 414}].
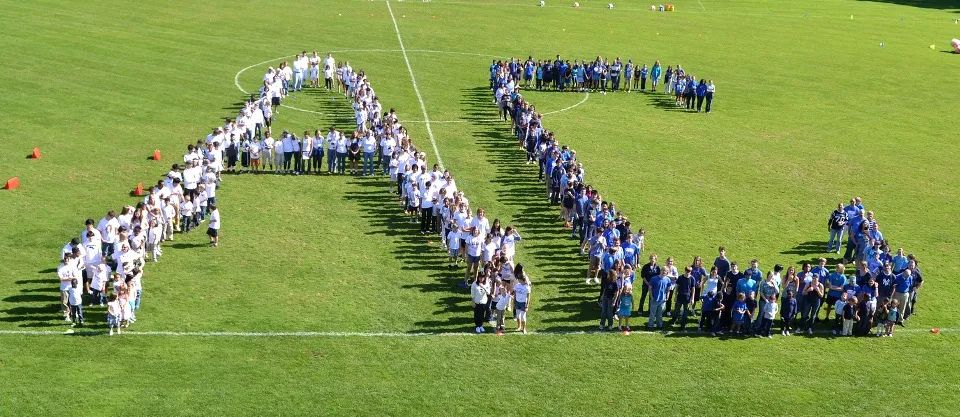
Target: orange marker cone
[
  {"x": 139, "y": 190},
  {"x": 35, "y": 154},
  {"x": 12, "y": 184},
  {"x": 935, "y": 330},
  {"x": 156, "y": 154}
]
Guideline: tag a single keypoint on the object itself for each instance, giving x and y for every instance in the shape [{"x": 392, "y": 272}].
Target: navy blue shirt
[{"x": 723, "y": 266}]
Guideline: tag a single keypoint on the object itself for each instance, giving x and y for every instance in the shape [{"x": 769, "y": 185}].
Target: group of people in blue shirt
[
  {"x": 602, "y": 75},
  {"x": 882, "y": 291}
]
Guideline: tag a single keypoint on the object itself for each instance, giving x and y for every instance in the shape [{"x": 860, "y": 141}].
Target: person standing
[
  {"x": 709, "y": 96},
  {"x": 655, "y": 76},
  {"x": 836, "y": 224},
  {"x": 701, "y": 93},
  {"x": 659, "y": 286},
  {"x": 479, "y": 293},
  {"x": 812, "y": 294},
  {"x": 647, "y": 273},
  {"x": 213, "y": 229}
]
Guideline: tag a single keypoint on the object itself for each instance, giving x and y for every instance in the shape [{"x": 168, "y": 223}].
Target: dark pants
[
  {"x": 851, "y": 248},
  {"x": 341, "y": 162},
  {"x": 643, "y": 83},
  {"x": 287, "y": 158},
  {"x": 699, "y": 103},
  {"x": 786, "y": 324},
  {"x": 709, "y": 101},
  {"x": 479, "y": 313},
  {"x": 765, "y": 325},
  {"x": 331, "y": 161},
  {"x": 426, "y": 219},
  {"x": 76, "y": 313},
  {"x": 643, "y": 297}
]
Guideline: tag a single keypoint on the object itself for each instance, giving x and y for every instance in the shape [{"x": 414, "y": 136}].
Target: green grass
[{"x": 809, "y": 110}]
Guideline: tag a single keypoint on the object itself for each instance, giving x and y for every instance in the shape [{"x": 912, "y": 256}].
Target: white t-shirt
[
  {"x": 215, "y": 220},
  {"x": 474, "y": 245},
  {"x": 521, "y": 292}
]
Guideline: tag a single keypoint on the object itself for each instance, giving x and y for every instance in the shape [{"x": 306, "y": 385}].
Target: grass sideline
[{"x": 158, "y": 76}]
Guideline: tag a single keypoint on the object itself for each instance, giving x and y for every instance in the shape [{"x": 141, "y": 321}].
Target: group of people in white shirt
[{"x": 105, "y": 264}]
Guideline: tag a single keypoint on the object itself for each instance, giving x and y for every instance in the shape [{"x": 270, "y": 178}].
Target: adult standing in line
[
  {"x": 914, "y": 288},
  {"x": 901, "y": 291},
  {"x": 609, "y": 296},
  {"x": 213, "y": 229},
  {"x": 332, "y": 142},
  {"x": 659, "y": 286},
  {"x": 836, "y": 224},
  {"x": 655, "y": 75},
  {"x": 647, "y": 273},
  {"x": 812, "y": 295},
  {"x": 711, "y": 89},
  {"x": 479, "y": 293},
  {"x": 701, "y": 93},
  {"x": 722, "y": 263},
  {"x": 298, "y": 69}
]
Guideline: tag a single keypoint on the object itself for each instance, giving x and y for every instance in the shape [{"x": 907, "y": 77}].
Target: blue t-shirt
[
  {"x": 723, "y": 266},
  {"x": 739, "y": 310},
  {"x": 610, "y": 235},
  {"x": 659, "y": 285},
  {"x": 902, "y": 283},
  {"x": 900, "y": 263},
  {"x": 609, "y": 259},
  {"x": 746, "y": 285},
  {"x": 629, "y": 253},
  {"x": 836, "y": 279}
]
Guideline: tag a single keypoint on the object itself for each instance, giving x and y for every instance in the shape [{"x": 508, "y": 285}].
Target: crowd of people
[
  {"x": 601, "y": 75},
  {"x": 880, "y": 293},
  {"x": 105, "y": 264}
]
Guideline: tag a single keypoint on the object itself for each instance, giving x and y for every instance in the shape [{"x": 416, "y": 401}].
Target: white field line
[
  {"x": 416, "y": 89},
  {"x": 701, "y": 5},
  {"x": 311, "y": 334},
  {"x": 236, "y": 81}
]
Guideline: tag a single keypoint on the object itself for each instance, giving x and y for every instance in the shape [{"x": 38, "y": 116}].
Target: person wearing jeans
[
  {"x": 812, "y": 294},
  {"x": 684, "y": 292},
  {"x": 608, "y": 299},
  {"x": 659, "y": 286},
  {"x": 647, "y": 273},
  {"x": 836, "y": 224}
]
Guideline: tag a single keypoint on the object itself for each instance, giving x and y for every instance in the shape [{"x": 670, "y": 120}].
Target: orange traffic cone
[
  {"x": 156, "y": 154},
  {"x": 139, "y": 190},
  {"x": 12, "y": 184},
  {"x": 35, "y": 154}
]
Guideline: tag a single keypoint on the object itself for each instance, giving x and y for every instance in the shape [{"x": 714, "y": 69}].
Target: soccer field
[{"x": 324, "y": 299}]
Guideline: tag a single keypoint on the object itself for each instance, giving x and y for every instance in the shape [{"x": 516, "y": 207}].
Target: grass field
[{"x": 810, "y": 110}]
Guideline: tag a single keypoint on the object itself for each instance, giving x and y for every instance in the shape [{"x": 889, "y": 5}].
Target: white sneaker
[
  {"x": 477, "y": 329},
  {"x": 810, "y": 332},
  {"x": 482, "y": 330}
]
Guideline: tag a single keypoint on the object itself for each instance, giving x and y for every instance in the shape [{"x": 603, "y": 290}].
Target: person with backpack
[{"x": 836, "y": 224}]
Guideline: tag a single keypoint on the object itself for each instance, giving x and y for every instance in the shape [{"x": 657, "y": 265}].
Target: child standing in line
[
  {"x": 739, "y": 314},
  {"x": 98, "y": 283},
  {"x": 626, "y": 306},
  {"x": 769, "y": 312},
  {"x": 453, "y": 244},
  {"x": 500, "y": 302},
  {"x": 751, "y": 318},
  {"x": 849, "y": 316},
  {"x": 113, "y": 314},
  {"x": 838, "y": 313},
  {"x": 521, "y": 294},
  {"x": 789, "y": 312},
  {"x": 880, "y": 317},
  {"x": 74, "y": 295},
  {"x": 154, "y": 237},
  {"x": 893, "y": 316},
  {"x": 186, "y": 214}
]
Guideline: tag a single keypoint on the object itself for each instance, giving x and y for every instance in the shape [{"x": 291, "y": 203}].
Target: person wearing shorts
[{"x": 521, "y": 298}]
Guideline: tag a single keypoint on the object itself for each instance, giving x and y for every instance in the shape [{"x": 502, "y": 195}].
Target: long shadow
[
  {"x": 420, "y": 253},
  {"x": 568, "y": 304},
  {"x": 947, "y": 5}
]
